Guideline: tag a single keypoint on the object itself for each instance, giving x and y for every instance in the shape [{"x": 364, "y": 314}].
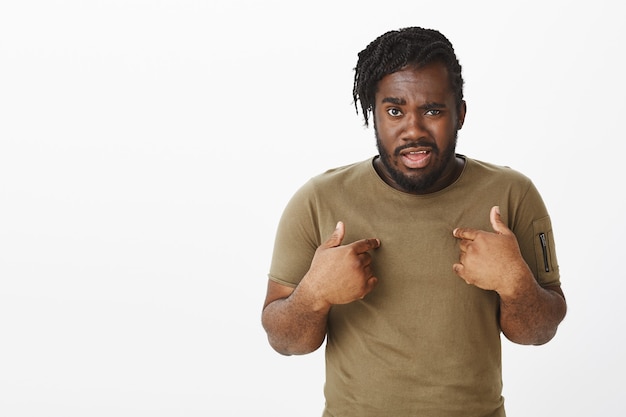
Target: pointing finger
[
  {"x": 464, "y": 233},
  {"x": 360, "y": 246},
  {"x": 363, "y": 245}
]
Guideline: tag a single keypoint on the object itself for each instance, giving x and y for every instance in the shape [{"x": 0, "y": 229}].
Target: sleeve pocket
[{"x": 545, "y": 256}]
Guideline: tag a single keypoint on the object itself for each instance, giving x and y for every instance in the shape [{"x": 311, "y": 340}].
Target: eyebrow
[
  {"x": 433, "y": 105},
  {"x": 400, "y": 102},
  {"x": 394, "y": 100}
]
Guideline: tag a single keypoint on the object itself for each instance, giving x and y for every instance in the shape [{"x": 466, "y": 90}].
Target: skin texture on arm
[
  {"x": 295, "y": 319},
  {"x": 529, "y": 313},
  {"x": 293, "y": 323}
]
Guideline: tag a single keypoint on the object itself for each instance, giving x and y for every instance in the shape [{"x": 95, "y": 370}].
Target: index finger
[
  {"x": 363, "y": 245},
  {"x": 464, "y": 233}
]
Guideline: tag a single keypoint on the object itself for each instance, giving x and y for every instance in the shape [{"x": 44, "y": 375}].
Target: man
[{"x": 376, "y": 257}]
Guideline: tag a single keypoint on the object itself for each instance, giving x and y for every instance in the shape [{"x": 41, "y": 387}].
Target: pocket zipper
[{"x": 544, "y": 249}]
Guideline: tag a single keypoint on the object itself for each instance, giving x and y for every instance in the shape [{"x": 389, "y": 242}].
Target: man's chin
[{"x": 414, "y": 183}]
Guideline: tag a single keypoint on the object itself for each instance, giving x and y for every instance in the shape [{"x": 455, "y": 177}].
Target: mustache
[{"x": 418, "y": 144}]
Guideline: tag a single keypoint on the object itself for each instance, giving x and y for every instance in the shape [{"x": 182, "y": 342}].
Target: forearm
[
  {"x": 295, "y": 325},
  {"x": 532, "y": 315}
]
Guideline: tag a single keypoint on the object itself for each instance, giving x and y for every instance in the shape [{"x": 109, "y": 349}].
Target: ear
[{"x": 462, "y": 112}]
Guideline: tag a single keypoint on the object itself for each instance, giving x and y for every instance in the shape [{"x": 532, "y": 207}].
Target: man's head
[
  {"x": 409, "y": 81},
  {"x": 396, "y": 49}
]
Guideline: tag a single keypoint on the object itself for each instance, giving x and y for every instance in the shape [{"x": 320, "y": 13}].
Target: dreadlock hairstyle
[{"x": 396, "y": 49}]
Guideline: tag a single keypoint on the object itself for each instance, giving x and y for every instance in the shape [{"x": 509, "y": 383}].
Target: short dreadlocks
[{"x": 396, "y": 49}]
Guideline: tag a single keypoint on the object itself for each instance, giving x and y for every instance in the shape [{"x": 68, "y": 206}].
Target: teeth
[{"x": 417, "y": 152}]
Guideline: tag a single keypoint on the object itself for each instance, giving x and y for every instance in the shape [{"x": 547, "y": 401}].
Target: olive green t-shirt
[{"x": 423, "y": 342}]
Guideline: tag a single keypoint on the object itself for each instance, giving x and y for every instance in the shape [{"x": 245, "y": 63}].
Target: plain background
[{"x": 147, "y": 149}]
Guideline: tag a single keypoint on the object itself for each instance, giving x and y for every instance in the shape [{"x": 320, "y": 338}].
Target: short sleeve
[{"x": 296, "y": 239}]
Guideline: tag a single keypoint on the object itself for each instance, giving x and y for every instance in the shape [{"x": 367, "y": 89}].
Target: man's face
[{"x": 416, "y": 122}]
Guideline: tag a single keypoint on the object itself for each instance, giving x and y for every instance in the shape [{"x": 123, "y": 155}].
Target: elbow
[
  {"x": 530, "y": 339},
  {"x": 281, "y": 350},
  {"x": 291, "y": 350},
  {"x": 536, "y": 335},
  {"x": 289, "y": 343},
  {"x": 290, "y": 347},
  {"x": 544, "y": 338},
  {"x": 539, "y": 327}
]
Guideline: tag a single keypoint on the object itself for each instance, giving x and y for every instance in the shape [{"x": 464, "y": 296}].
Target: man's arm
[
  {"x": 295, "y": 319},
  {"x": 529, "y": 314},
  {"x": 532, "y": 316}
]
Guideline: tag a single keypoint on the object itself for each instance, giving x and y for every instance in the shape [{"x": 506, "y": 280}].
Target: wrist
[
  {"x": 521, "y": 283},
  {"x": 311, "y": 296}
]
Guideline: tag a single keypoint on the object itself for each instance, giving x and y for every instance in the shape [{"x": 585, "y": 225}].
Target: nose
[{"x": 414, "y": 127}]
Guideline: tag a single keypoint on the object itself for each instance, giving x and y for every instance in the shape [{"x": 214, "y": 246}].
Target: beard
[{"x": 418, "y": 184}]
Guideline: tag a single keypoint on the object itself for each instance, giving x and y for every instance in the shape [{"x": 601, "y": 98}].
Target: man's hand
[
  {"x": 341, "y": 274},
  {"x": 491, "y": 260}
]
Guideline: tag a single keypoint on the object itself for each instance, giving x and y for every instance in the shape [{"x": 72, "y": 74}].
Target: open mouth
[{"x": 415, "y": 159}]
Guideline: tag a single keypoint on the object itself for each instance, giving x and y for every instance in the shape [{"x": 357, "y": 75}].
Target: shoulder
[
  {"x": 488, "y": 168},
  {"x": 486, "y": 172},
  {"x": 333, "y": 183},
  {"x": 512, "y": 190},
  {"x": 343, "y": 176},
  {"x": 345, "y": 171}
]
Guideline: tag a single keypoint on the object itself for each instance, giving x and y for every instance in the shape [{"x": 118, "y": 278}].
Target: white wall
[{"x": 147, "y": 149}]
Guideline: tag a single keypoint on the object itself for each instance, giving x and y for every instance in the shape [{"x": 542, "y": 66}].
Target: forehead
[{"x": 427, "y": 82}]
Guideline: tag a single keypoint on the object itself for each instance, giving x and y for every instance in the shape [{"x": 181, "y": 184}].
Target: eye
[
  {"x": 394, "y": 112},
  {"x": 433, "y": 112}
]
